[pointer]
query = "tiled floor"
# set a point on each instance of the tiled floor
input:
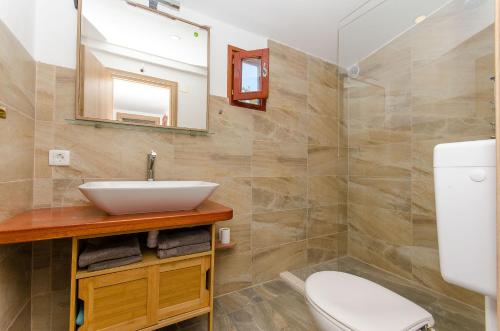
(274, 306)
(268, 307)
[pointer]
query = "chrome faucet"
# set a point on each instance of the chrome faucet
(151, 166)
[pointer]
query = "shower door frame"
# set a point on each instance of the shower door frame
(497, 135)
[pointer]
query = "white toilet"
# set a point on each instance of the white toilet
(343, 302)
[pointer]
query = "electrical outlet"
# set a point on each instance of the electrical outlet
(59, 157)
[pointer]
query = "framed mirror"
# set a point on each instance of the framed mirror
(138, 65)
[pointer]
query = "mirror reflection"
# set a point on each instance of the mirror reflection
(140, 66)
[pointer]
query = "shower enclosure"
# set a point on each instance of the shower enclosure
(415, 73)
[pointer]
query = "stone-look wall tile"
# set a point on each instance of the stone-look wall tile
(279, 227)
(232, 272)
(17, 134)
(15, 284)
(45, 91)
(17, 94)
(393, 258)
(326, 248)
(391, 226)
(65, 107)
(41, 271)
(278, 193)
(387, 160)
(18, 72)
(268, 263)
(380, 129)
(44, 141)
(280, 125)
(15, 197)
(23, 320)
(326, 161)
(235, 192)
(323, 130)
(327, 190)
(426, 271)
(386, 193)
(42, 193)
(275, 159)
(288, 85)
(65, 193)
(41, 307)
(327, 220)
(94, 153)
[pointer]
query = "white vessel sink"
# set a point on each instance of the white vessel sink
(134, 197)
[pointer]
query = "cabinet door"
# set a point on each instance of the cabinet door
(120, 301)
(183, 286)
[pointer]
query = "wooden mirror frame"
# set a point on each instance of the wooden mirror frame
(79, 91)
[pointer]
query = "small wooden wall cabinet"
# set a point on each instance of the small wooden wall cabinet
(144, 296)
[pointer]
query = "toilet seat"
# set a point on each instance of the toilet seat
(354, 303)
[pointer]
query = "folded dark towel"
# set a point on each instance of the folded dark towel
(183, 237)
(183, 250)
(114, 263)
(109, 248)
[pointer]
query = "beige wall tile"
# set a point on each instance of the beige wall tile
(235, 192)
(274, 159)
(44, 141)
(327, 220)
(232, 272)
(15, 279)
(388, 160)
(395, 259)
(268, 263)
(326, 161)
(386, 193)
(278, 193)
(326, 248)
(426, 271)
(18, 72)
(64, 94)
(327, 190)
(45, 91)
(280, 124)
(391, 226)
(279, 227)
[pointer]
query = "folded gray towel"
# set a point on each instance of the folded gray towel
(114, 263)
(183, 237)
(109, 248)
(183, 250)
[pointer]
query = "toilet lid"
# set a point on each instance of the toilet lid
(362, 305)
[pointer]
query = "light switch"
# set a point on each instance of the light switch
(59, 157)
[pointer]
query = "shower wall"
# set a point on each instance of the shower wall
(424, 88)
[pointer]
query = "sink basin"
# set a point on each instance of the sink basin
(134, 197)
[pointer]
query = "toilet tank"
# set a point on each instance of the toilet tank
(465, 187)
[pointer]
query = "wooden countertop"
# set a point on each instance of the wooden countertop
(55, 223)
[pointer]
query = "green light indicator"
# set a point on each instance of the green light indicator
(196, 34)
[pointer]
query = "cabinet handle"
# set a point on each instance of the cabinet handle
(207, 280)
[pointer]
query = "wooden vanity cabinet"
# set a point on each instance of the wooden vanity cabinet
(119, 301)
(184, 286)
(146, 295)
